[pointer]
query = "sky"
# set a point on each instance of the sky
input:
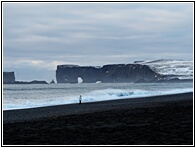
(39, 36)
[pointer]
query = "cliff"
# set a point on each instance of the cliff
(116, 73)
(8, 77)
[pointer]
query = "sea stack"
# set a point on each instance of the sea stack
(8, 77)
(52, 82)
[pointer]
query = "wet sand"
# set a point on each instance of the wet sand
(159, 120)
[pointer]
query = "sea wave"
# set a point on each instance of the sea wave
(92, 96)
(111, 94)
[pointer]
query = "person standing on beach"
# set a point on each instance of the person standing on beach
(80, 99)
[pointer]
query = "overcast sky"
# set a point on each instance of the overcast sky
(39, 36)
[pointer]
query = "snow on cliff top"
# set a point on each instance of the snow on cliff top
(182, 68)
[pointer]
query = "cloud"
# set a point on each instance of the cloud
(45, 34)
(33, 63)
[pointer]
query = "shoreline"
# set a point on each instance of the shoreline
(158, 120)
(29, 114)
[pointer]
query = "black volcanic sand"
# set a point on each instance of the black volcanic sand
(160, 120)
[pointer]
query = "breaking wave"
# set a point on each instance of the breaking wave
(92, 96)
(111, 94)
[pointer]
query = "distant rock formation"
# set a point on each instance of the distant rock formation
(171, 69)
(8, 77)
(31, 82)
(52, 82)
(116, 73)
(165, 80)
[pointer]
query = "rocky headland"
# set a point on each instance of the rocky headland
(9, 78)
(116, 73)
(138, 72)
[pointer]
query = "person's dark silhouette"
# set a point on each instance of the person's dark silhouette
(80, 99)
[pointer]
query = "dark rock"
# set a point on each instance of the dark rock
(52, 82)
(8, 77)
(163, 80)
(31, 82)
(136, 62)
(69, 74)
(116, 73)
(174, 80)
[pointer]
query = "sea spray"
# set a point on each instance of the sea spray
(29, 96)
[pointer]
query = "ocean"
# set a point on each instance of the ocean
(20, 96)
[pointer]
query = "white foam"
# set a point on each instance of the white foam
(80, 80)
(93, 96)
(111, 94)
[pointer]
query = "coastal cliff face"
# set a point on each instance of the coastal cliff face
(117, 73)
(70, 74)
(8, 77)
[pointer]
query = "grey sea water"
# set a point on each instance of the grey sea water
(18, 96)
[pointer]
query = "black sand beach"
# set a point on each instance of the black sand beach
(159, 120)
